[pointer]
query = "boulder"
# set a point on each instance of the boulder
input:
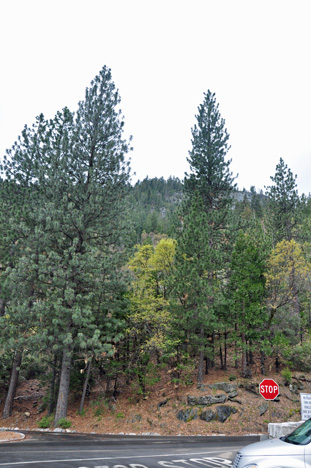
(224, 411)
(206, 400)
(162, 403)
(225, 386)
(187, 415)
(263, 408)
(208, 415)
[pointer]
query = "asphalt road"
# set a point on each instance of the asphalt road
(42, 450)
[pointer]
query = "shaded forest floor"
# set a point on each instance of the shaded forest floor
(130, 413)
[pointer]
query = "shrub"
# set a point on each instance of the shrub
(287, 375)
(64, 423)
(301, 357)
(46, 422)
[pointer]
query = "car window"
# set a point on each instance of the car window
(301, 435)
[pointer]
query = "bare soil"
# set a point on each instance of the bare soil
(130, 413)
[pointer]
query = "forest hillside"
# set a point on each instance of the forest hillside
(126, 300)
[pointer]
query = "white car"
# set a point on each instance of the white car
(291, 451)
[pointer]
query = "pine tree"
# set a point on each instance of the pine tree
(195, 284)
(76, 168)
(206, 212)
(284, 203)
(210, 175)
(246, 292)
(285, 211)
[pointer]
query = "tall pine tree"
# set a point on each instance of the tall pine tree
(208, 189)
(76, 168)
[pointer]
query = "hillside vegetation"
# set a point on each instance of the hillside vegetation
(114, 295)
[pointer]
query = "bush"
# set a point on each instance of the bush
(300, 357)
(287, 375)
(46, 422)
(64, 423)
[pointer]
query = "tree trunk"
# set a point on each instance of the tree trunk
(52, 388)
(236, 364)
(221, 358)
(206, 365)
(277, 363)
(8, 406)
(251, 356)
(262, 363)
(226, 352)
(63, 393)
(244, 363)
(201, 360)
(2, 307)
(86, 382)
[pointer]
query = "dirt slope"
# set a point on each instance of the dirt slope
(131, 414)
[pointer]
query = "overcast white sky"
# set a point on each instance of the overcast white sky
(164, 54)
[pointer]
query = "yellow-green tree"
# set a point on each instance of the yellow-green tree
(149, 318)
(288, 274)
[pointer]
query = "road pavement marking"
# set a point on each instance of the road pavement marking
(108, 458)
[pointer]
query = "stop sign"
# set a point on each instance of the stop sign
(269, 389)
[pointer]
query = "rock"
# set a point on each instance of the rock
(295, 387)
(225, 386)
(27, 414)
(162, 403)
(224, 411)
(187, 415)
(233, 394)
(208, 415)
(251, 387)
(206, 400)
(263, 408)
(137, 418)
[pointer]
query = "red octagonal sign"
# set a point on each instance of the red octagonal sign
(269, 389)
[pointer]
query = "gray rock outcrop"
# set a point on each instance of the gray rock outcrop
(206, 400)
(225, 386)
(224, 411)
(187, 415)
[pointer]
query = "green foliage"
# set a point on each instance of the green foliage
(246, 290)
(99, 407)
(64, 423)
(287, 274)
(65, 289)
(147, 374)
(197, 280)
(154, 204)
(300, 356)
(182, 373)
(65, 230)
(46, 422)
(283, 202)
(210, 176)
(149, 318)
(287, 375)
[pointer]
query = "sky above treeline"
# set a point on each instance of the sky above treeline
(164, 55)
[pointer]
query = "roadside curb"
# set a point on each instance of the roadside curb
(11, 436)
